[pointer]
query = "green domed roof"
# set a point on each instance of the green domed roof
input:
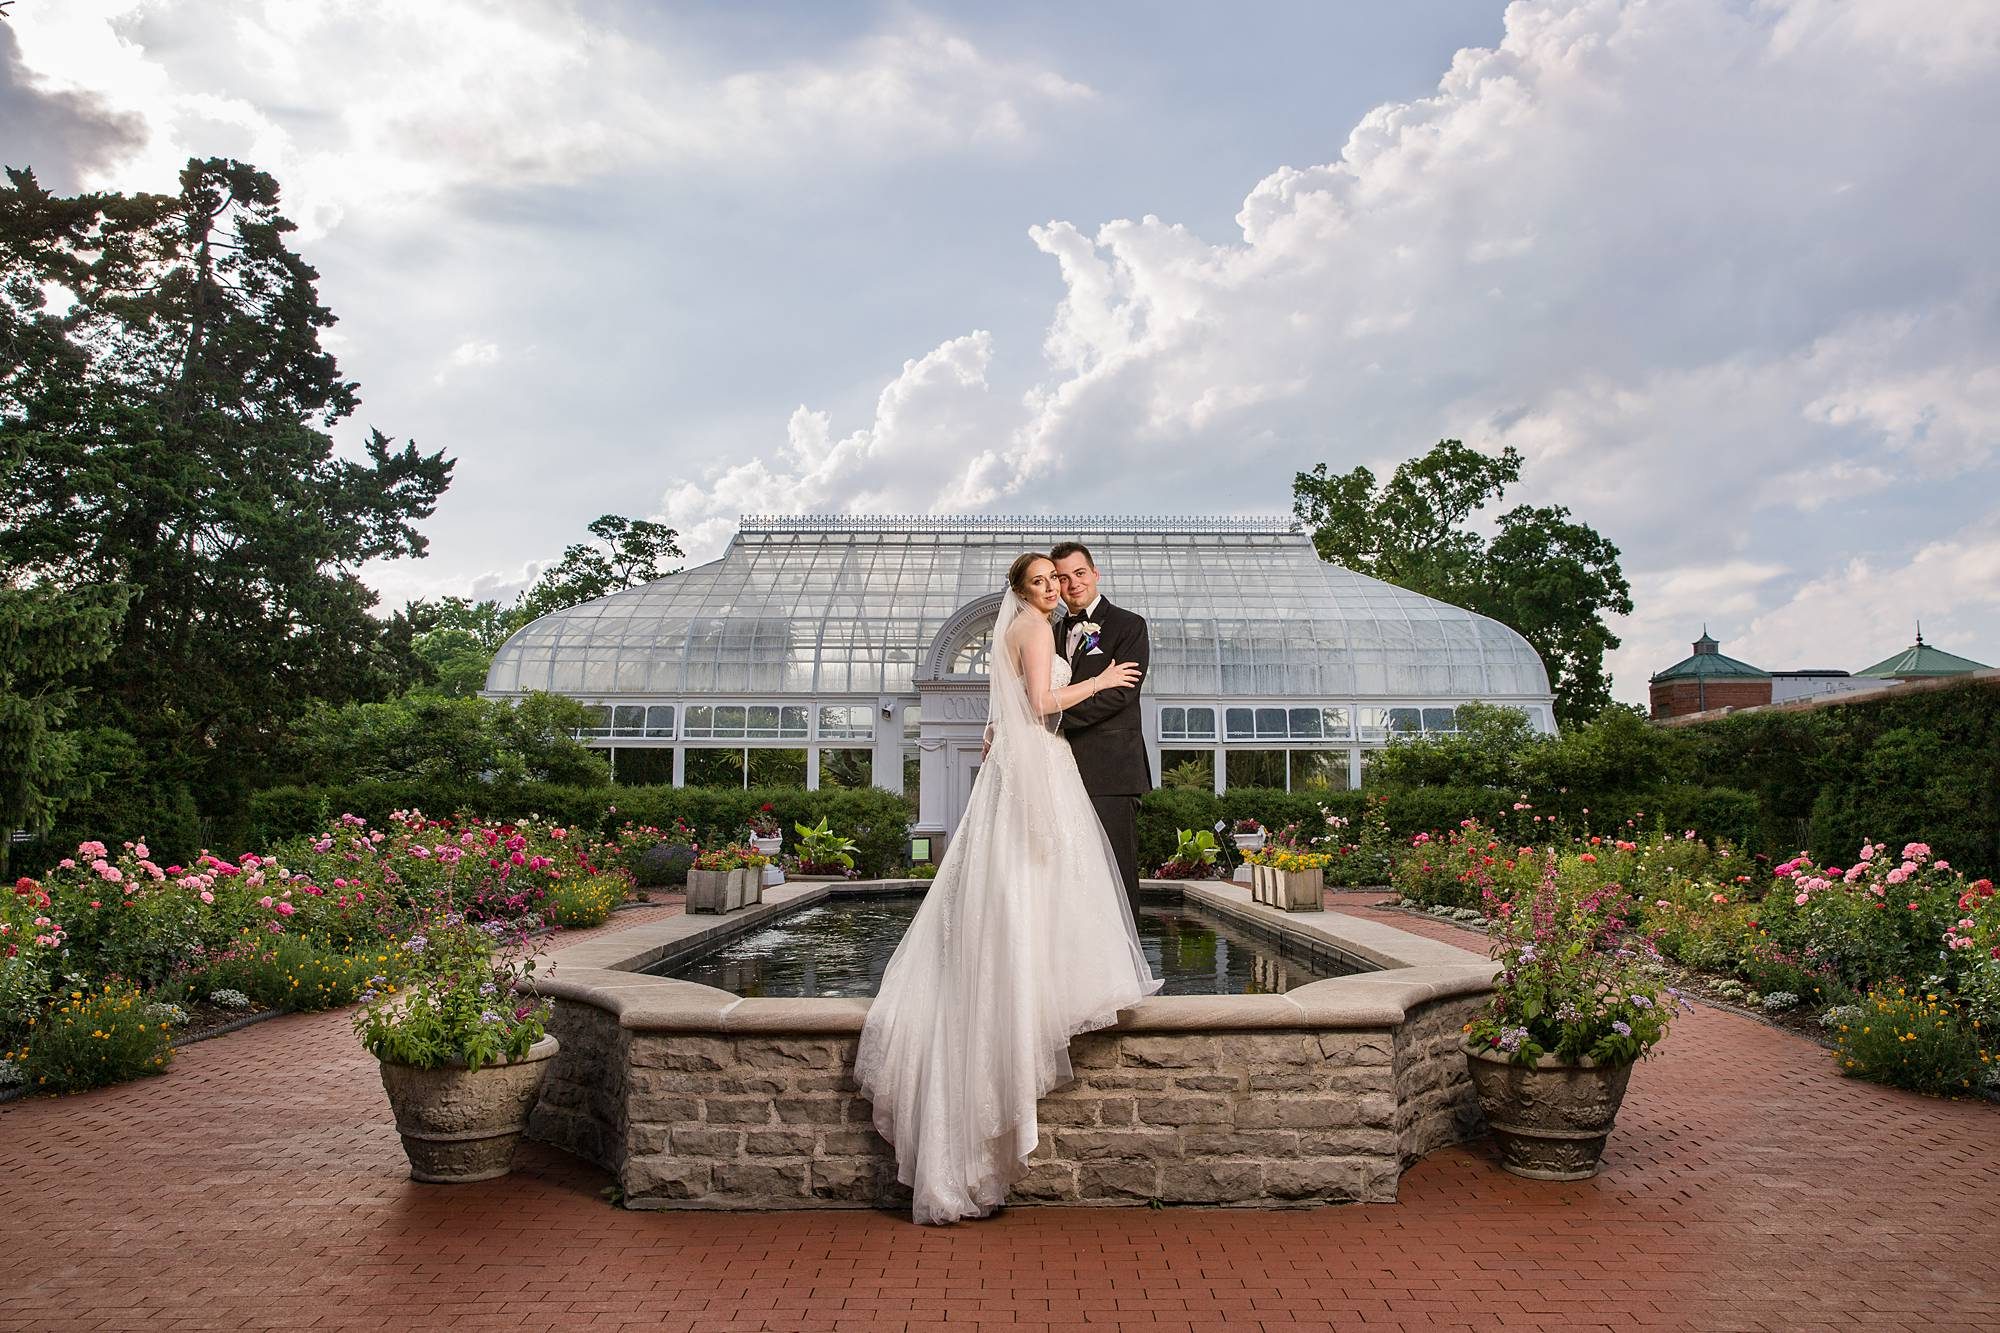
(1920, 659)
(1708, 663)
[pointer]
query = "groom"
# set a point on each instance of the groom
(1103, 731)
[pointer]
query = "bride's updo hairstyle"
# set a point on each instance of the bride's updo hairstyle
(1017, 573)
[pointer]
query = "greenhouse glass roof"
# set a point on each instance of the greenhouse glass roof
(851, 604)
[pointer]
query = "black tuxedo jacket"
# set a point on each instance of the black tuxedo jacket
(1103, 731)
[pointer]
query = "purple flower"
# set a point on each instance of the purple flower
(1622, 1029)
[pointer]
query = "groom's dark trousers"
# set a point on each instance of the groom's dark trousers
(1104, 733)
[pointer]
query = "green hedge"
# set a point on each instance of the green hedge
(878, 821)
(1916, 766)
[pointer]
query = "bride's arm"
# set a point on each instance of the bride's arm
(1037, 656)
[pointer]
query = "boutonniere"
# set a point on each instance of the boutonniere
(1093, 634)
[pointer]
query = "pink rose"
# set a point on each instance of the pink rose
(207, 897)
(286, 909)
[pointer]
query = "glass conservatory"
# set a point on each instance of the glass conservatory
(848, 650)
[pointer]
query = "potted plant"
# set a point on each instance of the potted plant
(746, 882)
(709, 878)
(1288, 878)
(1194, 857)
(824, 854)
(464, 1048)
(1248, 835)
(1576, 1003)
(764, 833)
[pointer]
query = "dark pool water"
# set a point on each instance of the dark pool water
(841, 948)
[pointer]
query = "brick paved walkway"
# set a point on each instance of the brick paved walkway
(259, 1184)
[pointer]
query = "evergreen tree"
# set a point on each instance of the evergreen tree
(167, 399)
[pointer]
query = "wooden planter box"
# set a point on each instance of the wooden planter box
(708, 890)
(1288, 890)
(718, 891)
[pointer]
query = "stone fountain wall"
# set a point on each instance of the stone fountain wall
(1265, 1117)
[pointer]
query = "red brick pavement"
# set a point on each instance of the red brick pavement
(259, 1184)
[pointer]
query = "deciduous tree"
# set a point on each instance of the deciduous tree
(1547, 576)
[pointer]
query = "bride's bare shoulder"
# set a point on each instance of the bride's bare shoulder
(1027, 629)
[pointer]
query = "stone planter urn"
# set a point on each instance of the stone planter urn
(460, 1125)
(1245, 842)
(1550, 1121)
(768, 846)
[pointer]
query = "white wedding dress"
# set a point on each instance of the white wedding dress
(1023, 941)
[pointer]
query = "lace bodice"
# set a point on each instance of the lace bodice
(1058, 673)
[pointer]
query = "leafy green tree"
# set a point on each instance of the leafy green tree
(1547, 576)
(453, 639)
(628, 552)
(1491, 749)
(431, 737)
(46, 640)
(168, 399)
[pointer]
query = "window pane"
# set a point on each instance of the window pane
(913, 721)
(597, 720)
(700, 720)
(1374, 723)
(777, 768)
(846, 768)
(729, 720)
(912, 771)
(1305, 724)
(628, 719)
(1319, 770)
(645, 765)
(1201, 723)
(1239, 723)
(763, 721)
(712, 768)
(660, 720)
(1441, 719)
(792, 721)
(1191, 770)
(1335, 722)
(1270, 724)
(1173, 723)
(1255, 768)
(1406, 719)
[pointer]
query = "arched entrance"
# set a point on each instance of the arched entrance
(952, 684)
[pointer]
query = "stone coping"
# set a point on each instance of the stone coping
(1411, 971)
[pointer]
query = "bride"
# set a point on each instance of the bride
(1023, 941)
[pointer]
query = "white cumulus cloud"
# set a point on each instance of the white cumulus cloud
(1721, 272)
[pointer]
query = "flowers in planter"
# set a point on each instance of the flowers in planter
(1573, 980)
(764, 824)
(1288, 858)
(466, 1001)
(1194, 855)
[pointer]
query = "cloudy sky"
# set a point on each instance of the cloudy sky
(1723, 272)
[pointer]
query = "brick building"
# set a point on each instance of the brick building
(1706, 680)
